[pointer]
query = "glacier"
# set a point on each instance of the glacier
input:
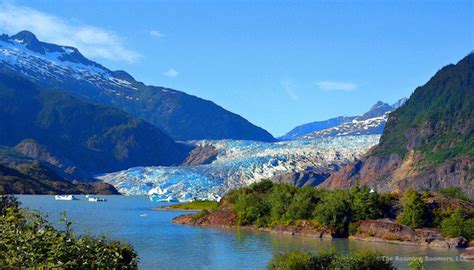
(238, 163)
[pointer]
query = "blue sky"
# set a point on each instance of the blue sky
(278, 64)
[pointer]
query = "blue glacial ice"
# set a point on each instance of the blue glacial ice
(238, 163)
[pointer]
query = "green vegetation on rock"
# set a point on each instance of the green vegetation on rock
(336, 212)
(415, 212)
(455, 193)
(458, 224)
(265, 204)
(27, 240)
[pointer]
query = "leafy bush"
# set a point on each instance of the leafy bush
(329, 261)
(291, 261)
(417, 264)
(28, 240)
(415, 213)
(458, 224)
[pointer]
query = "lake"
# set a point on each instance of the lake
(164, 245)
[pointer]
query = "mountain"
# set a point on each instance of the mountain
(302, 130)
(371, 122)
(65, 131)
(182, 116)
(221, 165)
(20, 174)
(428, 143)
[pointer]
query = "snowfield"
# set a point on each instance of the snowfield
(238, 164)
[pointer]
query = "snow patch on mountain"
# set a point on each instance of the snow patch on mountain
(40, 61)
(371, 122)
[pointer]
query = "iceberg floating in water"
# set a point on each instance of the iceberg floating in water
(239, 163)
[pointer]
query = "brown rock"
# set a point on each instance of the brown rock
(468, 254)
(389, 230)
(439, 244)
(458, 242)
(386, 229)
(201, 155)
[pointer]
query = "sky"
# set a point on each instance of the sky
(279, 64)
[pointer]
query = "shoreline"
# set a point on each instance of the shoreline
(305, 231)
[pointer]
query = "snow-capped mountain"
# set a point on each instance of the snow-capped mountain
(182, 116)
(371, 122)
(314, 126)
(26, 55)
(239, 163)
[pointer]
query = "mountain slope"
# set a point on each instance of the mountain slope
(428, 143)
(371, 122)
(182, 116)
(20, 174)
(94, 138)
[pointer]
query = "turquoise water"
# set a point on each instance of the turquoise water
(164, 245)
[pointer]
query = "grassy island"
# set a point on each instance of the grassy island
(203, 205)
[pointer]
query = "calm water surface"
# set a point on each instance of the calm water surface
(164, 245)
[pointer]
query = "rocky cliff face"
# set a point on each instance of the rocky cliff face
(428, 143)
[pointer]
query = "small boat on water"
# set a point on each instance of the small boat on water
(64, 197)
(95, 199)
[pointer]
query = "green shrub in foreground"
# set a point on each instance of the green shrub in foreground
(27, 240)
(328, 261)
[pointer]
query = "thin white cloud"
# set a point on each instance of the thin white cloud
(171, 73)
(92, 41)
(289, 87)
(155, 33)
(336, 86)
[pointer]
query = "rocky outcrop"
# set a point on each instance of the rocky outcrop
(226, 218)
(220, 218)
(387, 230)
(310, 178)
(200, 155)
(468, 254)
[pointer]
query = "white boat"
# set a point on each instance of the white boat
(95, 199)
(64, 197)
